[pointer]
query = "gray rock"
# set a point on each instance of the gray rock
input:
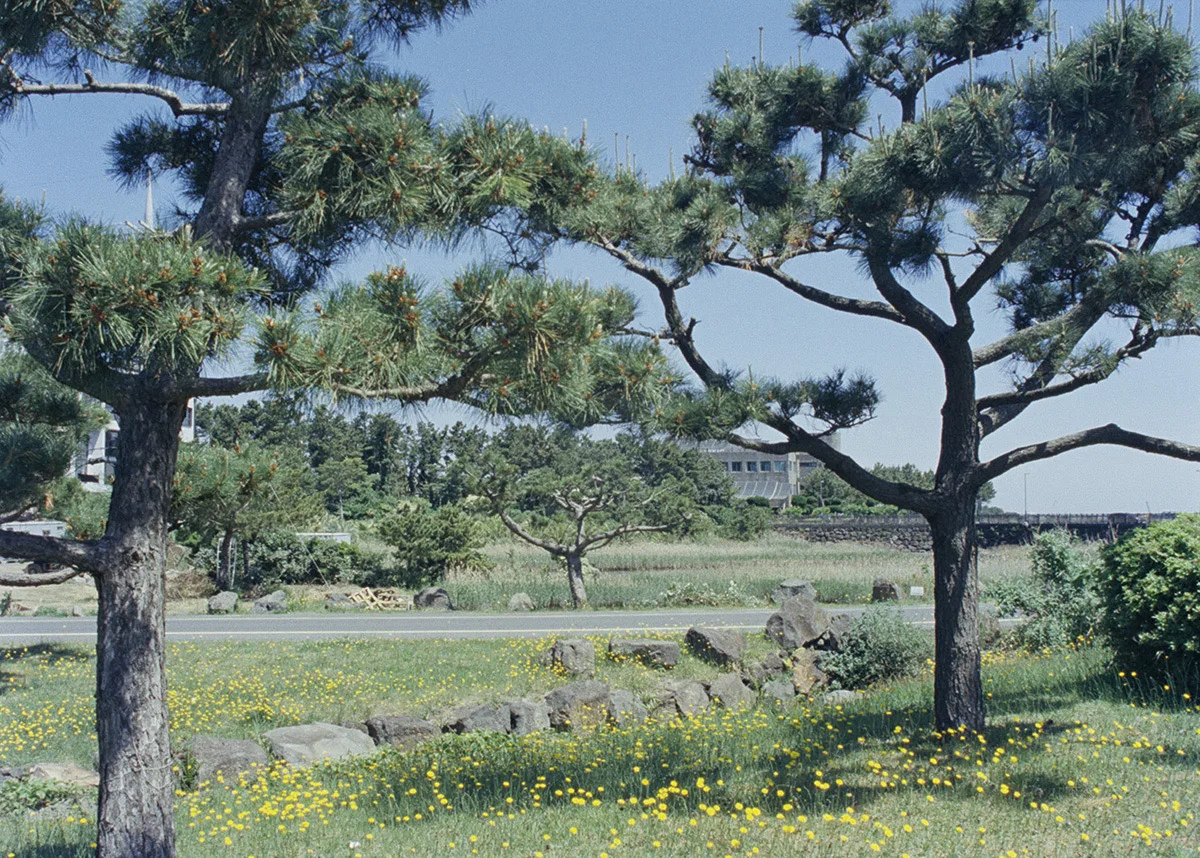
(687, 696)
(401, 731)
(779, 690)
(575, 656)
(797, 623)
(580, 704)
(806, 671)
(626, 709)
(718, 646)
(306, 744)
(837, 698)
(473, 719)
(883, 590)
(223, 603)
(729, 691)
(227, 757)
(526, 716)
(833, 639)
(342, 602)
(758, 672)
(521, 602)
(650, 652)
(272, 603)
(67, 773)
(433, 598)
(76, 611)
(793, 588)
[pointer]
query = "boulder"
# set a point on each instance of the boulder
(686, 696)
(223, 603)
(576, 656)
(523, 717)
(626, 709)
(272, 603)
(67, 773)
(401, 731)
(793, 588)
(833, 639)
(580, 704)
(797, 623)
(883, 590)
(650, 652)
(473, 719)
(521, 602)
(76, 611)
(758, 672)
(341, 602)
(837, 698)
(306, 744)
(779, 690)
(434, 598)
(806, 671)
(717, 646)
(226, 757)
(729, 691)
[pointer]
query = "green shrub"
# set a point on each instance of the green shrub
(1059, 599)
(278, 557)
(430, 542)
(1150, 584)
(879, 646)
(740, 520)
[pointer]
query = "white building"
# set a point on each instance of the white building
(763, 475)
(96, 457)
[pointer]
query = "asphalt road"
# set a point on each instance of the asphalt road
(20, 631)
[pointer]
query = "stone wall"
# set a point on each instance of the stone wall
(911, 532)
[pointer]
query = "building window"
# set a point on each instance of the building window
(752, 467)
(735, 466)
(781, 467)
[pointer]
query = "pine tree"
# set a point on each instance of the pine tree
(1076, 170)
(292, 146)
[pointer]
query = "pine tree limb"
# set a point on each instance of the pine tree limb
(178, 106)
(1110, 434)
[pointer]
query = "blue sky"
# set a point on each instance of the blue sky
(639, 70)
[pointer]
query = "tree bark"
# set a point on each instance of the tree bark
(136, 815)
(579, 597)
(225, 561)
(957, 682)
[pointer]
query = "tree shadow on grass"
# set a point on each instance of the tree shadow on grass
(17, 661)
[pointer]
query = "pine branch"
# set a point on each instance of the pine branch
(1110, 434)
(602, 539)
(553, 547)
(230, 386)
(912, 312)
(841, 303)
(1082, 317)
(268, 221)
(178, 106)
(80, 556)
(994, 261)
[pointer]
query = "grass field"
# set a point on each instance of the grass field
(646, 574)
(1077, 761)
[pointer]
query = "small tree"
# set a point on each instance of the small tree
(575, 485)
(226, 495)
(1076, 180)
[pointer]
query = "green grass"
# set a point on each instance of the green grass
(642, 574)
(1074, 763)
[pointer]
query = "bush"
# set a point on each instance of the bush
(275, 558)
(1059, 599)
(880, 646)
(1150, 585)
(740, 520)
(429, 543)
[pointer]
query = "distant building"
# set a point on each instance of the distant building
(763, 475)
(97, 456)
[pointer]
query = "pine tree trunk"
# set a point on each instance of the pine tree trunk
(136, 816)
(957, 684)
(225, 561)
(575, 580)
